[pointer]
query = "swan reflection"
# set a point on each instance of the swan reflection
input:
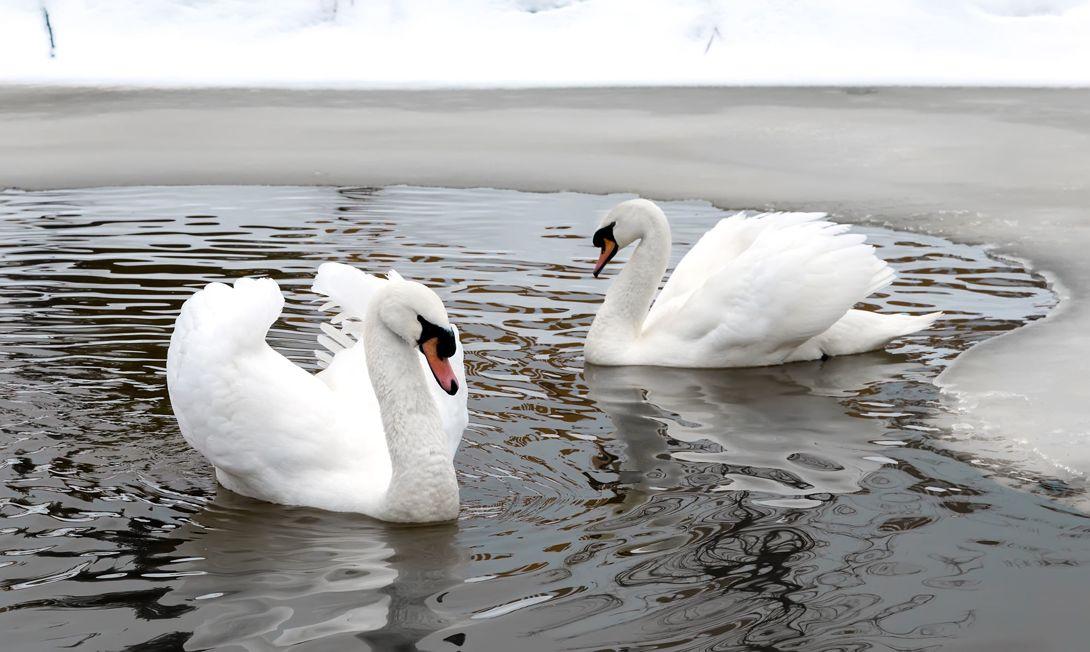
(782, 430)
(281, 576)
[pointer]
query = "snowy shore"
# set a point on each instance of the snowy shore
(1006, 167)
(534, 43)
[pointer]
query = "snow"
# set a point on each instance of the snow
(469, 43)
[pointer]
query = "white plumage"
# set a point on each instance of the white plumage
(753, 291)
(275, 432)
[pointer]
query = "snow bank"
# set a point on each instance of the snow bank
(421, 43)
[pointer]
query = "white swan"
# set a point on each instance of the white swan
(753, 291)
(375, 432)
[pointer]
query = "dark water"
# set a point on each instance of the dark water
(805, 507)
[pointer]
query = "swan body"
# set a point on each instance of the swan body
(753, 291)
(374, 432)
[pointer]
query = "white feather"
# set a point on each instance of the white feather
(271, 429)
(753, 291)
(351, 290)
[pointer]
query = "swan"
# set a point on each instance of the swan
(753, 291)
(374, 432)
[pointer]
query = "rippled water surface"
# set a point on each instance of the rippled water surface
(803, 507)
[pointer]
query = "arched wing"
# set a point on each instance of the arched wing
(238, 402)
(790, 284)
(349, 291)
(716, 249)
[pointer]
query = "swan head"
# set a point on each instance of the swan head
(417, 315)
(626, 223)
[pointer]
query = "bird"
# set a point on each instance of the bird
(755, 290)
(374, 432)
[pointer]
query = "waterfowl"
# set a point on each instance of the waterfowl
(754, 291)
(374, 432)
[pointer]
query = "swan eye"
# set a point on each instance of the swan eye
(603, 234)
(445, 336)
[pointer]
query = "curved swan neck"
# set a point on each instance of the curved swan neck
(423, 486)
(629, 297)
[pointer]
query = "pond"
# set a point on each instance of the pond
(810, 506)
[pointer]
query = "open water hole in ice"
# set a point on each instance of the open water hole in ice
(808, 506)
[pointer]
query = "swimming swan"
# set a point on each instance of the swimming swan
(375, 432)
(754, 291)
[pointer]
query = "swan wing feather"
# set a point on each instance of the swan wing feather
(348, 291)
(716, 249)
(795, 279)
(240, 403)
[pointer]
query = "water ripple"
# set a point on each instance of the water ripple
(806, 507)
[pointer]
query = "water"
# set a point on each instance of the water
(805, 507)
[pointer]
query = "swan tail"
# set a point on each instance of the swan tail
(349, 291)
(861, 330)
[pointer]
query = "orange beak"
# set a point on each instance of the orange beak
(609, 249)
(440, 366)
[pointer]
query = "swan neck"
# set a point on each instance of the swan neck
(423, 486)
(629, 297)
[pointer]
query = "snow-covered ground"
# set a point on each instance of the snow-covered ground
(418, 43)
